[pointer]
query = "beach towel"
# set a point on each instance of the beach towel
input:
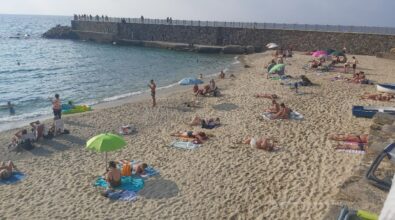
(131, 183)
(351, 151)
(184, 145)
(15, 178)
(123, 195)
(294, 116)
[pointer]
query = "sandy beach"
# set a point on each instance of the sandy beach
(222, 179)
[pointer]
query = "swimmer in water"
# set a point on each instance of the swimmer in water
(10, 107)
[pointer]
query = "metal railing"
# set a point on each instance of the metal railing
(278, 26)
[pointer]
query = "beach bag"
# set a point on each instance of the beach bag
(126, 170)
(27, 145)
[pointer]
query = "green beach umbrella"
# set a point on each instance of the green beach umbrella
(105, 143)
(337, 53)
(277, 68)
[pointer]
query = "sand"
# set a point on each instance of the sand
(221, 180)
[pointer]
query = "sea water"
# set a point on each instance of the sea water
(32, 68)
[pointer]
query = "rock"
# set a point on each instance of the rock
(392, 50)
(383, 118)
(234, 49)
(60, 32)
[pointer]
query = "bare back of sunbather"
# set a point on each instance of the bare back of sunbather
(350, 137)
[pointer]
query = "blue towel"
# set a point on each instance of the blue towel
(124, 195)
(127, 183)
(16, 177)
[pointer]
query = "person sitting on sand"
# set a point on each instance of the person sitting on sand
(210, 123)
(274, 108)
(6, 170)
(270, 65)
(197, 91)
(212, 85)
(22, 136)
(363, 138)
(352, 146)
(262, 143)
(39, 130)
(265, 95)
(284, 112)
(113, 175)
(222, 75)
(198, 137)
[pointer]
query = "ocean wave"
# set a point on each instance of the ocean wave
(122, 96)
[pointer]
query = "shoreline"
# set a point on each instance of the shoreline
(142, 95)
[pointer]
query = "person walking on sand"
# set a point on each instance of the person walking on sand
(354, 64)
(57, 107)
(152, 86)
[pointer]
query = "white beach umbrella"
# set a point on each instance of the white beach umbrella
(271, 45)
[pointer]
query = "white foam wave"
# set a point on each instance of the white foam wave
(117, 97)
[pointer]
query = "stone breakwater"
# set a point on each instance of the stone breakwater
(227, 39)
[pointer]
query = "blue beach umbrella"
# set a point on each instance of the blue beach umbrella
(190, 81)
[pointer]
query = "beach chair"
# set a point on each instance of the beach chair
(388, 152)
(349, 214)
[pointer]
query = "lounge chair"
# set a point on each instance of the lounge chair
(388, 152)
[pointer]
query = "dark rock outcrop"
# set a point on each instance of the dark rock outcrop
(60, 32)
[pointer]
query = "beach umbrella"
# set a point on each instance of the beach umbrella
(319, 53)
(277, 68)
(329, 50)
(338, 53)
(271, 45)
(105, 143)
(190, 81)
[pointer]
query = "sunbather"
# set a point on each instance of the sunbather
(378, 97)
(22, 136)
(265, 95)
(138, 168)
(274, 108)
(39, 130)
(351, 146)
(260, 143)
(113, 175)
(197, 137)
(284, 112)
(350, 137)
(210, 123)
(6, 169)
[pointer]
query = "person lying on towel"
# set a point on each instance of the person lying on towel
(138, 168)
(274, 108)
(378, 97)
(284, 113)
(197, 137)
(262, 143)
(6, 170)
(363, 138)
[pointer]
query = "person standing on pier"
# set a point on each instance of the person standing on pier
(152, 86)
